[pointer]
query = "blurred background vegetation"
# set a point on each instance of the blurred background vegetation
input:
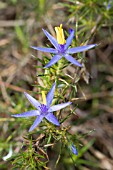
(21, 23)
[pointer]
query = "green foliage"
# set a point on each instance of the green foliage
(90, 15)
(29, 158)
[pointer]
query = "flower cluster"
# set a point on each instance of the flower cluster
(62, 48)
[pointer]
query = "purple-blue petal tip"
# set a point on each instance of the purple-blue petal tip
(70, 30)
(58, 124)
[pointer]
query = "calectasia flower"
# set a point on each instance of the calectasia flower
(44, 110)
(74, 150)
(62, 47)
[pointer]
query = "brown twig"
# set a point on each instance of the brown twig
(13, 87)
(93, 96)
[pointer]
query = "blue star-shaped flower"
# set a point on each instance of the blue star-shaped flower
(74, 150)
(43, 110)
(62, 47)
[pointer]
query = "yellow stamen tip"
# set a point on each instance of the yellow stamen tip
(43, 97)
(60, 35)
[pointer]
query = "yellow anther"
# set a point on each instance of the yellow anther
(60, 35)
(43, 97)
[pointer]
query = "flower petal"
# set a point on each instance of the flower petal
(58, 107)
(27, 114)
(50, 95)
(51, 38)
(44, 49)
(33, 101)
(36, 122)
(80, 49)
(51, 118)
(69, 39)
(72, 60)
(74, 150)
(53, 60)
